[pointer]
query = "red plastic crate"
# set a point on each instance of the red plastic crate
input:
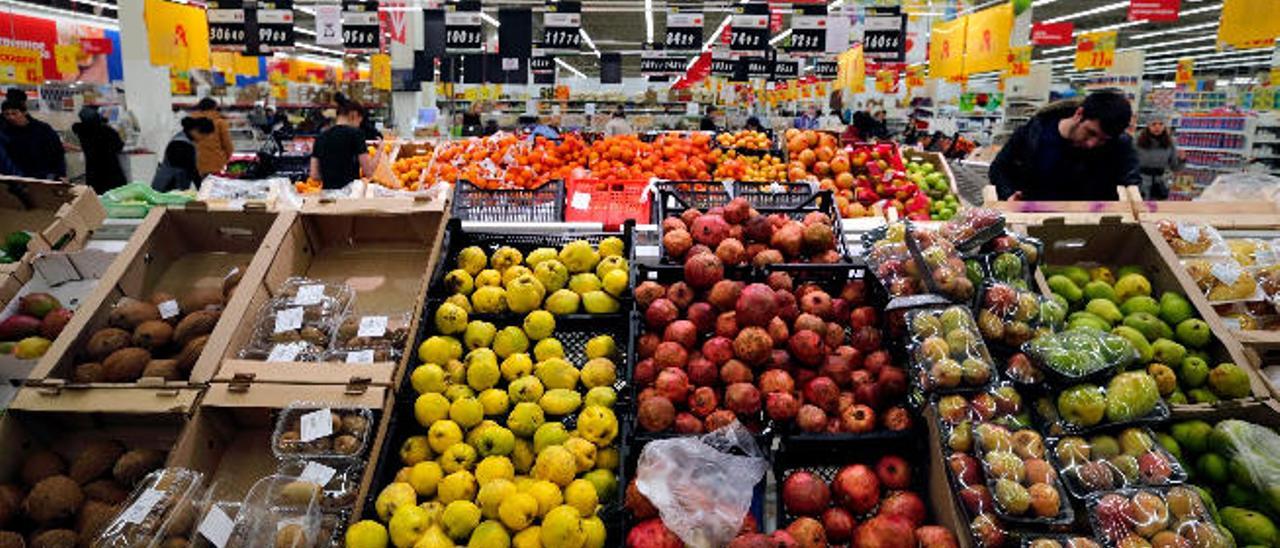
(609, 202)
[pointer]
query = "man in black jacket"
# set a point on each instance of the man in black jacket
(1071, 150)
(33, 145)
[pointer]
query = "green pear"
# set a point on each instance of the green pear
(1099, 290)
(1193, 332)
(1174, 308)
(1168, 352)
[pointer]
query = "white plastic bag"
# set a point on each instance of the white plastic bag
(702, 486)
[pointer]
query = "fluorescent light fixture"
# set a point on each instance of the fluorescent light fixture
(305, 31)
(1175, 30)
(1088, 12)
(1039, 3)
(37, 10)
(1162, 45)
(839, 3)
(648, 20)
(1115, 26)
(489, 19)
(587, 39)
(780, 37)
(96, 4)
(716, 35)
(566, 66)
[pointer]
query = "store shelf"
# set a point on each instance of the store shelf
(1235, 151)
(1218, 131)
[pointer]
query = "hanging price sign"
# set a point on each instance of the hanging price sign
(360, 26)
(684, 30)
(749, 27)
(808, 29)
(722, 65)
(226, 25)
(786, 69)
(275, 26)
(1095, 50)
(883, 39)
(541, 63)
(561, 26)
(758, 66)
(462, 28)
(658, 63)
(826, 69)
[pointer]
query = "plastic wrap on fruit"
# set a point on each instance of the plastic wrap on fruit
(702, 486)
(1080, 353)
(1191, 238)
(1175, 516)
(1023, 483)
(1009, 266)
(1107, 461)
(162, 503)
(1032, 248)
(894, 265)
(1252, 252)
(947, 351)
(1012, 316)
(1128, 397)
(1254, 450)
(1222, 279)
(973, 227)
(1060, 541)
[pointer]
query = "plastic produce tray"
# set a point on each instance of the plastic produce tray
(544, 204)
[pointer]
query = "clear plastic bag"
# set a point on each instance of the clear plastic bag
(1223, 280)
(947, 352)
(973, 227)
(1242, 187)
(1059, 541)
(894, 265)
(1078, 354)
(1148, 512)
(1191, 239)
(1252, 252)
(702, 486)
(1105, 462)
(1008, 266)
(1256, 448)
(1011, 316)
(1025, 486)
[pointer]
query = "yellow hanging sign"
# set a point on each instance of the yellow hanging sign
(21, 66)
(380, 66)
(986, 39)
(66, 56)
(1096, 50)
(178, 35)
(946, 48)
(851, 70)
(1185, 73)
(1020, 61)
(1248, 24)
(886, 81)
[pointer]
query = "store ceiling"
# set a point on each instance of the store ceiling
(619, 25)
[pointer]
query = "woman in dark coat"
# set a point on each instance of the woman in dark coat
(102, 146)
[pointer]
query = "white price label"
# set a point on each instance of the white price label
(317, 473)
(168, 309)
(360, 356)
(285, 352)
(309, 294)
(142, 506)
(217, 527)
(1226, 272)
(289, 318)
(1189, 232)
(581, 200)
(372, 326)
(315, 425)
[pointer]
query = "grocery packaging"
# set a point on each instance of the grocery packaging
(973, 227)
(909, 260)
(280, 510)
(1222, 279)
(1189, 238)
(1130, 397)
(740, 233)
(1025, 487)
(388, 333)
(947, 351)
(162, 505)
(1059, 541)
(1009, 316)
(310, 430)
(1130, 458)
(1154, 516)
(338, 482)
(1078, 354)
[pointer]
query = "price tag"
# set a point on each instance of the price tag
(360, 356)
(1226, 272)
(216, 527)
(1189, 232)
(581, 200)
(142, 506)
(372, 326)
(315, 425)
(285, 352)
(289, 318)
(309, 294)
(168, 309)
(317, 473)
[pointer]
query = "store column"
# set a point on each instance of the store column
(146, 91)
(404, 104)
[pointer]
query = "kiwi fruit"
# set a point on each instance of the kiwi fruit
(200, 322)
(346, 444)
(106, 490)
(95, 460)
(354, 424)
(87, 373)
(129, 313)
(125, 365)
(106, 341)
(298, 493)
(94, 516)
(40, 465)
(201, 298)
(136, 464)
(55, 538)
(152, 334)
(54, 498)
(186, 359)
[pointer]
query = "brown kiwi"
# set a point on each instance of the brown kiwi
(106, 341)
(152, 334)
(125, 365)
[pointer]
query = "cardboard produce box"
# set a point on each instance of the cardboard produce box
(57, 215)
(1117, 244)
(186, 254)
(1083, 212)
(384, 255)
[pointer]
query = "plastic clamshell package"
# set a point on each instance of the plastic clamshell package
(1007, 456)
(363, 355)
(1084, 400)
(947, 351)
(348, 427)
(339, 492)
(305, 292)
(1150, 512)
(1080, 354)
(910, 260)
(296, 351)
(152, 509)
(1058, 541)
(357, 332)
(279, 321)
(1011, 317)
(1084, 472)
(230, 510)
(283, 511)
(973, 227)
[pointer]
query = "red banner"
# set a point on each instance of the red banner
(95, 46)
(1154, 10)
(698, 72)
(1052, 34)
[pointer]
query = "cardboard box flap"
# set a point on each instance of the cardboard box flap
(337, 373)
(278, 396)
(131, 400)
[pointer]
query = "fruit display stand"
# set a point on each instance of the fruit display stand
(193, 257)
(1084, 212)
(1240, 215)
(383, 255)
(939, 163)
(1122, 243)
(55, 215)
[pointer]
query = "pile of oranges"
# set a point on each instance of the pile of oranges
(409, 170)
(748, 139)
(731, 165)
(669, 156)
(309, 186)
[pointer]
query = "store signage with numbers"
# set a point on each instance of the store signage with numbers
(561, 26)
(808, 29)
(658, 62)
(275, 25)
(226, 25)
(360, 26)
(758, 66)
(684, 30)
(785, 69)
(462, 28)
(826, 69)
(883, 39)
(749, 27)
(541, 63)
(722, 65)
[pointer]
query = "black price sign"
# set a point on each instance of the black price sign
(723, 66)
(758, 66)
(883, 38)
(684, 31)
(561, 26)
(360, 26)
(662, 65)
(749, 28)
(826, 69)
(808, 29)
(541, 63)
(462, 28)
(275, 26)
(226, 25)
(786, 70)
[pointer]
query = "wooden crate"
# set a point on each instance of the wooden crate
(1087, 213)
(172, 251)
(56, 214)
(1140, 244)
(385, 255)
(1238, 215)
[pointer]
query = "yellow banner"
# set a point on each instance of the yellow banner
(1248, 24)
(1020, 61)
(946, 48)
(986, 39)
(20, 66)
(66, 57)
(380, 66)
(886, 81)
(915, 76)
(1186, 71)
(1096, 50)
(178, 35)
(851, 70)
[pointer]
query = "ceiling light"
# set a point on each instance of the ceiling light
(780, 37)
(566, 66)
(716, 35)
(38, 10)
(1162, 45)
(587, 39)
(1116, 26)
(648, 21)
(1092, 11)
(489, 18)
(1175, 30)
(1039, 3)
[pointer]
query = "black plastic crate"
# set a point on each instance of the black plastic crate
(705, 195)
(544, 204)
(774, 193)
(671, 203)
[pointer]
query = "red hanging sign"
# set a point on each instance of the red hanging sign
(1154, 10)
(1052, 34)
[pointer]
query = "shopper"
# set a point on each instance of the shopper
(1070, 150)
(807, 119)
(471, 125)
(340, 153)
(102, 146)
(367, 127)
(180, 168)
(1158, 157)
(618, 124)
(34, 147)
(214, 150)
(753, 124)
(831, 121)
(708, 122)
(546, 127)
(879, 127)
